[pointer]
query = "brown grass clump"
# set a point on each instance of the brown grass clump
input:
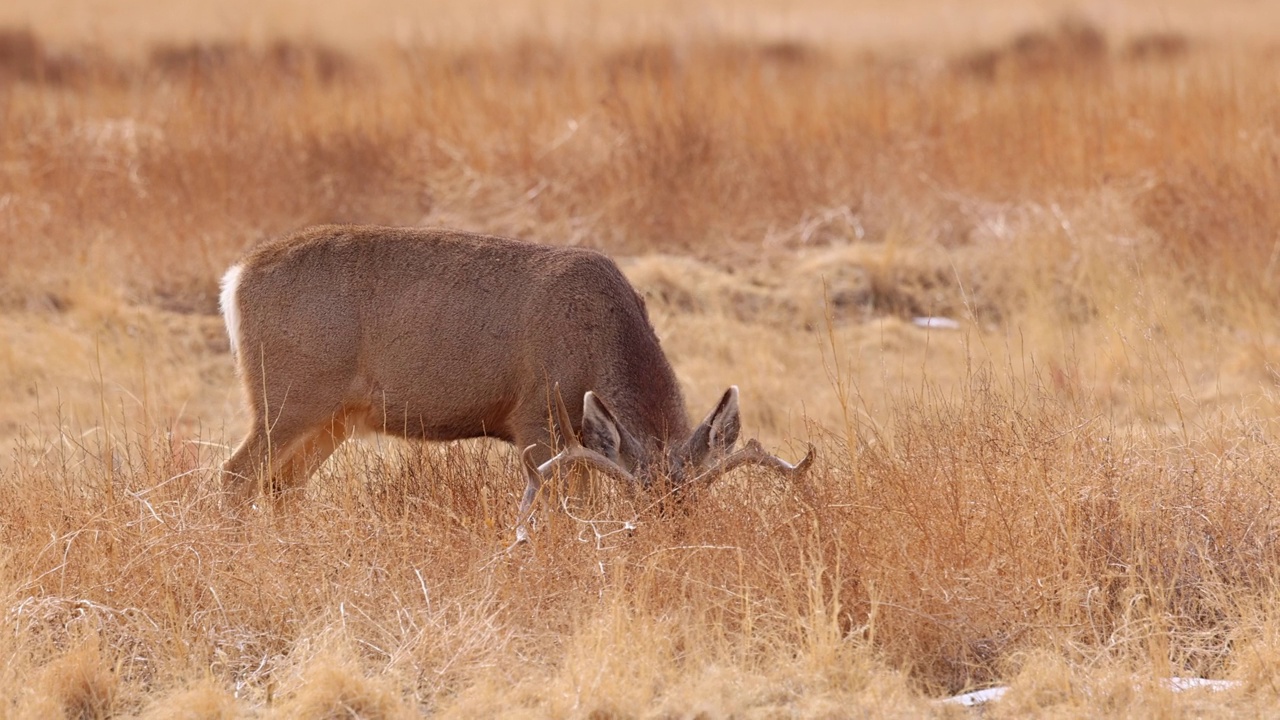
(1075, 45)
(21, 54)
(332, 686)
(77, 684)
(201, 700)
(1019, 290)
(300, 62)
(1157, 46)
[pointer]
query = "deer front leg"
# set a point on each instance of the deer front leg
(532, 488)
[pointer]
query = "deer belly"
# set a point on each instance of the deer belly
(439, 424)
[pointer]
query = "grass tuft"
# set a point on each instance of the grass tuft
(1018, 289)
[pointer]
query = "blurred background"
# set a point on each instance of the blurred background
(1011, 266)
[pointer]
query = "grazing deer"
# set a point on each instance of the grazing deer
(445, 335)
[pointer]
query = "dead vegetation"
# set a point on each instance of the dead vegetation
(1070, 492)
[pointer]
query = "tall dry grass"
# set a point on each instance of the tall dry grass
(1072, 493)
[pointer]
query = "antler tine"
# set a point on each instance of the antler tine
(537, 474)
(585, 455)
(575, 451)
(562, 416)
(527, 463)
(754, 452)
(525, 513)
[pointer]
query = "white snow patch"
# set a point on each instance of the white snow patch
(978, 697)
(936, 323)
(1176, 684)
(229, 302)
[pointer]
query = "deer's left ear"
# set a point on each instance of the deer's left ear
(717, 433)
(602, 432)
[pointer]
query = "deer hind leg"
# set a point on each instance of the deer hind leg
(310, 454)
(272, 461)
(291, 415)
(251, 468)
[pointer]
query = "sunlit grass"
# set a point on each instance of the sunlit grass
(1070, 493)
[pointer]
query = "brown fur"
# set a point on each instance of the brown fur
(436, 335)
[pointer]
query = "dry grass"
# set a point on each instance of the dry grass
(1072, 493)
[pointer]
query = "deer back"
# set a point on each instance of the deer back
(447, 335)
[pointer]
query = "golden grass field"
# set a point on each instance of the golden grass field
(1073, 493)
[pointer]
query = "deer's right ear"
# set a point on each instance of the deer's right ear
(717, 433)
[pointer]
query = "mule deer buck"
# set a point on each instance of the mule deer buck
(444, 335)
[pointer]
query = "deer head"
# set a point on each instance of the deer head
(608, 447)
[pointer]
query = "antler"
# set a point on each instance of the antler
(575, 452)
(578, 454)
(754, 452)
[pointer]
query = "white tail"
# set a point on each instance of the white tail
(230, 307)
(442, 335)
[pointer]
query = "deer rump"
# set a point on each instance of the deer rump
(445, 335)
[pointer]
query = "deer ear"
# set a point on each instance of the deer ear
(600, 430)
(718, 432)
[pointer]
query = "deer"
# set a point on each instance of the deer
(441, 335)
